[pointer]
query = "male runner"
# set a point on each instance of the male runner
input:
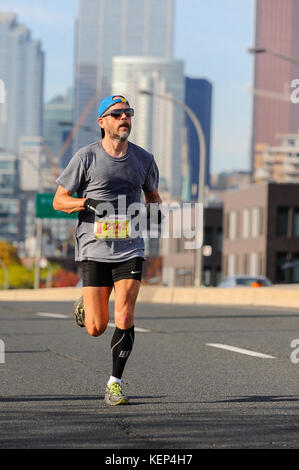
(101, 172)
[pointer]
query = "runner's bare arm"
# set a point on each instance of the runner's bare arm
(65, 202)
(152, 197)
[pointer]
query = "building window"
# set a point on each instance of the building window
(184, 277)
(246, 222)
(207, 276)
(296, 223)
(282, 221)
(218, 276)
(246, 263)
(179, 245)
(261, 220)
(257, 222)
(219, 240)
(232, 227)
(231, 264)
(208, 238)
(280, 271)
(260, 264)
(225, 265)
(253, 264)
(226, 225)
(295, 277)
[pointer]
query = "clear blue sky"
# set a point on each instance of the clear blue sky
(211, 36)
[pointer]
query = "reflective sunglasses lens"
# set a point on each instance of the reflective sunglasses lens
(129, 112)
(118, 112)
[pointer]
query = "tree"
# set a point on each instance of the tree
(8, 254)
(63, 278)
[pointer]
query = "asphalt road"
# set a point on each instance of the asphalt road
(186, 393)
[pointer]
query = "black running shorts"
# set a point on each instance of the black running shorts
(98, 274)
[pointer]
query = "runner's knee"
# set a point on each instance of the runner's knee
(96, 329)
(124, 317)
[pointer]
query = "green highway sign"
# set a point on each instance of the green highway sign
(45, 210)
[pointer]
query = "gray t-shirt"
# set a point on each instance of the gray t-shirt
(92, 173)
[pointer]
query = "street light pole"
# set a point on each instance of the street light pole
(201, 181)
(262, 50)
(38, 222)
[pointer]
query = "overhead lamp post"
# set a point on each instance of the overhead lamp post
(201, 180)
(263, 50)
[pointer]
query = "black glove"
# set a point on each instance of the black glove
(92, 204)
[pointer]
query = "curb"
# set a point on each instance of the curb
(263, 296)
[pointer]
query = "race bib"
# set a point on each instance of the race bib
(115, 227)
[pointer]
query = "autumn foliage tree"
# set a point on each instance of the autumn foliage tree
(64, 278)
(8, 254)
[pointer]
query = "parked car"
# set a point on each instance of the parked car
(246, 281)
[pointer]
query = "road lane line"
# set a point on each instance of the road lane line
(140, 330)
(240, 350)
(60, 315)
(52, 315)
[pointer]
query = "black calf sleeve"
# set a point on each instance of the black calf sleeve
(121, 346)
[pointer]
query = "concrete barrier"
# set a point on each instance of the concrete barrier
(262, 296)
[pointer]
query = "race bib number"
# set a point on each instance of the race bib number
(112, 227)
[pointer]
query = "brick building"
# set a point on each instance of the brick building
(261, 232)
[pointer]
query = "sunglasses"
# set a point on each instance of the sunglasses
(116, 113)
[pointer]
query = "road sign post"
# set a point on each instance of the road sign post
(44, 210)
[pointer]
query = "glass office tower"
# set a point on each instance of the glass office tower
(21, 70)
(159, 123)
(106, 29)
(198, 97)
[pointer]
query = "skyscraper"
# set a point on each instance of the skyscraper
(277, 29)
(9, 203)
(57, 125)
(198, 97)
(158, 123)
(106, 29)
(21, 70)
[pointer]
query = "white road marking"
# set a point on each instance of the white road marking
(52, 315)
(240, 350)
(140, 330)
(61, 315)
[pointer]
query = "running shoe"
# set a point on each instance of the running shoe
(114, 395)
(78, 312)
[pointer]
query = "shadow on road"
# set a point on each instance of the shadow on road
(258, 399)
(38, 398)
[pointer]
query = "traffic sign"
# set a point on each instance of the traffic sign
(45, 210)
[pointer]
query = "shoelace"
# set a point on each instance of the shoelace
(116, 388)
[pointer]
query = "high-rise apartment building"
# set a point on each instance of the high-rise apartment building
(198, 97)
(157, 125)
(277, 29)
(280, 163)
(106, 29)
(9, 204)
(57, 125)
(21, 72)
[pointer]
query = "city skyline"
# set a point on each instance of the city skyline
(22, 71)
(145, 30)
(156, 128)
(218, 33)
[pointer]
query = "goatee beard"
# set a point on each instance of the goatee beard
(124, 135)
